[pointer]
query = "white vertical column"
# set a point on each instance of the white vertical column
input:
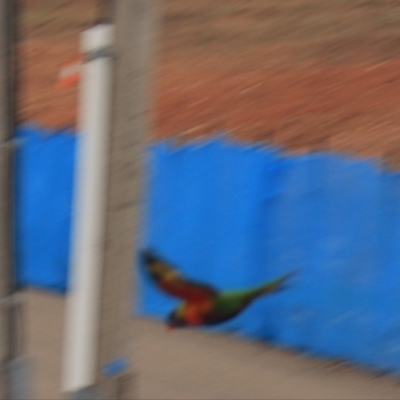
(83, 303)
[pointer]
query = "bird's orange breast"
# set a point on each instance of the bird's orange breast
(195, 312)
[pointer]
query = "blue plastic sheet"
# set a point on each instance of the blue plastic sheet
(236, 216)
(44, 186)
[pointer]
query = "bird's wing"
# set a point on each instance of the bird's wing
(173, 283)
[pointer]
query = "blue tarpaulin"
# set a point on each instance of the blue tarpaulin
(44, 185)
(235, 216)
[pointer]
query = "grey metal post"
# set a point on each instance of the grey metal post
(5, 204)
(12, 367)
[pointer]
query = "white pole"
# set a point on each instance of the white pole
(83, 303)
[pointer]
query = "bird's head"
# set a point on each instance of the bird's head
(175, 320)
(148, 257)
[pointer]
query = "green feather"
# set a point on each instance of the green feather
(228, 304)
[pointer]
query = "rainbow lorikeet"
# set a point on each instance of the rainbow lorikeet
(203, 305)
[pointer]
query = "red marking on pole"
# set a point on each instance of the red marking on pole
(70, 73)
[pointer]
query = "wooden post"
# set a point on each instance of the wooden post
(136, 29)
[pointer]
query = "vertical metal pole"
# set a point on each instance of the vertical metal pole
(83, 302)
(8, 348)
(136, 24)
(135, 30)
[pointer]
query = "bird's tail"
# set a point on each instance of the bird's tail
(276, 285)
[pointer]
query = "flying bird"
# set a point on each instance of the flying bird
(203, 305)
